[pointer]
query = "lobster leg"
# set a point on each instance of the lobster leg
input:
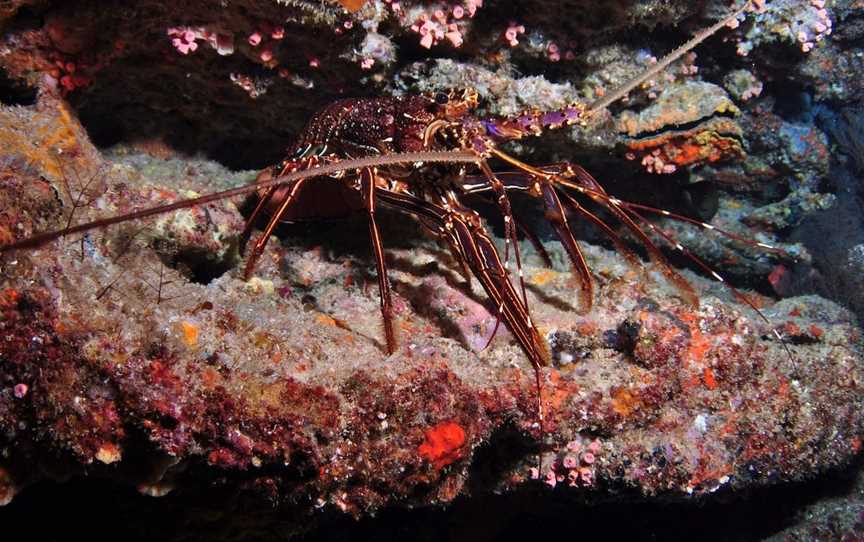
(484, 261)
(587, 185)
(265, 199)
(258, 248)
(527, 232)
(557, 217)
(503, 203)
(535, 242)
(519, 181)
(478, 250)
(368, 178)
(575, 177)
(631, 257)
(473, 246)
(482, 257)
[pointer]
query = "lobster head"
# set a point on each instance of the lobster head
(454, 105)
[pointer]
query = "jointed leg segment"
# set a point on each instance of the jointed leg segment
(368, 178)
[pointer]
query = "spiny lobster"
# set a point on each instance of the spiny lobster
(412, 153)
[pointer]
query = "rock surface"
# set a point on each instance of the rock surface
(137, 354)
(279, 385)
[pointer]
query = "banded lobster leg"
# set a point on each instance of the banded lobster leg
(282, 194)
(471, 244)
(575, 179)
(510, 235)
(547, 184)
(368, 182)
(465, 232)
(529, 234)
(286, 195)
(558, 219)
(587, 185)
(519, 181)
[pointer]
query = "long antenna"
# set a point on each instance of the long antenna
(327, 169)
(663, 63)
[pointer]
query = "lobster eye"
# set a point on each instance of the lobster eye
(318, 150)
(300, 152)
(442, 98)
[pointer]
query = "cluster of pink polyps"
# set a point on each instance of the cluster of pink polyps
(512, 33)
(655, 164)
(807, 25)
(820, 28)
(441, 23)
(185, 39)
(576, 468)
(265, 54)
(65, 74)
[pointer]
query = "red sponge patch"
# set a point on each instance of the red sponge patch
(443, 444)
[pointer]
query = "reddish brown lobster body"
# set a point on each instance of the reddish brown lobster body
(349, 128)
(392, 126)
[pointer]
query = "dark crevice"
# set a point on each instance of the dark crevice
(505, 450)
(793, 103)
(683, 127)
(218, 513)
(623, 339)
(15, 92)
(200, 266)
(831, 236)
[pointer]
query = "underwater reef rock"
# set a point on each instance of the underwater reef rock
(137, 354)
(121, 359)
(712, 136)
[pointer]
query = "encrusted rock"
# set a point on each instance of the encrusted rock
(279, 386)
(135, 353)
